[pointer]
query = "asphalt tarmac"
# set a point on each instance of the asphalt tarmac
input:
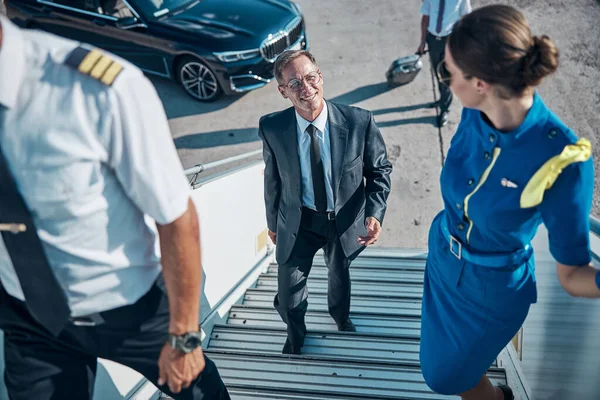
(354, 43)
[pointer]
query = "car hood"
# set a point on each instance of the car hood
(232, 20)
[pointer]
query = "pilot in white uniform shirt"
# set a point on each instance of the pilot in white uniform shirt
(91, 165)
(86, 140)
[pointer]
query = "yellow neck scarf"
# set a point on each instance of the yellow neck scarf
(544, 178)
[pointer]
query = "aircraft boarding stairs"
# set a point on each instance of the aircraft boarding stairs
(379, 361)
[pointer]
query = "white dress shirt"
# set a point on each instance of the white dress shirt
(96, 166)
(453, 10)
(322, 125)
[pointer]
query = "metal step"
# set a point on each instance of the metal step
(370, 323)
(241, 393)
(387, 253)
(364, 304)
(377, 263)
(363, 274)
(321, 378)
(361, 346)
(319, 285)
(338, 345)
(357, 278)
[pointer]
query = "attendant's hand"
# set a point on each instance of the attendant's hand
(177, 369)
(273, 236)
(373, 230)
(421, 49)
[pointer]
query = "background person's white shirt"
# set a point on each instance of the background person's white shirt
(453, 10)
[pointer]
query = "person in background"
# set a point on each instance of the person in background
(511, 166)
(438, 17)
(85, 156)
(327, 180)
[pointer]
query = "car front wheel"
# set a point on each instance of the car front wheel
(198, 80)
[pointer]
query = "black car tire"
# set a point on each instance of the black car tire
(197, 79)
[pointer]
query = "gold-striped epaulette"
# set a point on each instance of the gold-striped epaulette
(95, 63)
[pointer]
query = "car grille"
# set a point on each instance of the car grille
(276, 43)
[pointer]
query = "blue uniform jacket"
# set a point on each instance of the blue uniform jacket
(498, 187)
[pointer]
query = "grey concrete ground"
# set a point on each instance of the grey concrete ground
(355, 41)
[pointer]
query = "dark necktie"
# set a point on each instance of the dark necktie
(44, 297)
(438, 27)
(318, 172)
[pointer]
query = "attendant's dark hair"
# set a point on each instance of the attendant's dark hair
(288, 56)
(495, 44)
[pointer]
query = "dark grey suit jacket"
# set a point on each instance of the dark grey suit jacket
(360, 175)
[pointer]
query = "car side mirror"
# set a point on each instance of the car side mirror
(130, 23)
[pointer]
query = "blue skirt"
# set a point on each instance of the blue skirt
(469, 314)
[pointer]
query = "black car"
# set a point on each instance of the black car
(209, 46)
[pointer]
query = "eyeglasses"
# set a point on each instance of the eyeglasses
(312, 79)
(444, 75)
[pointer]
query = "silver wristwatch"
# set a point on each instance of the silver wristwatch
(187, 342)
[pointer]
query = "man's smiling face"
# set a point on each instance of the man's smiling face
(308, 97)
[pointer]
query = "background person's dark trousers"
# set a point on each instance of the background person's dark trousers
(437, 48)
(291, 300)
(41, 367)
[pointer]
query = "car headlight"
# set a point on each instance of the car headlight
(297, 7)
(232, 56)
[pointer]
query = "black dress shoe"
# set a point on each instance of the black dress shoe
(508, 393)
(346, 326)
(443, 119)
(288, 348)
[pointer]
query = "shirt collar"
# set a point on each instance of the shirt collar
(537, 114)
(319, 122)
(12, 63)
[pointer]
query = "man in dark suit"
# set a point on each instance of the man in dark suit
(327, 179)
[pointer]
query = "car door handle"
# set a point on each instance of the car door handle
(99, 22)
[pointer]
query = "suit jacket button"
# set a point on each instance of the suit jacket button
(552, 134)
(471, 182)
(460, 227)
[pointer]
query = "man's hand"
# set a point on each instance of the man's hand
(180, 248)
(373, 230)
(178, 370)
(421, 49)
(273, 236)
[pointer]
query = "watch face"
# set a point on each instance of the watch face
(193, 342)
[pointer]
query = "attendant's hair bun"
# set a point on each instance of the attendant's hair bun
(540, 61)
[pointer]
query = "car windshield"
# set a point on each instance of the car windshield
(158, 8)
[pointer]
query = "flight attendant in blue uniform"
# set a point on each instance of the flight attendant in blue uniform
(512, 165)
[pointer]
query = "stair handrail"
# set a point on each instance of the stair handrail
(199, 168)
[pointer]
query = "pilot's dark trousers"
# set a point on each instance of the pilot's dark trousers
(315, 232)
(437, 48)
(42, 367)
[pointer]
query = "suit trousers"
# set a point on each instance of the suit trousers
(40, 366)
(437, 48)
(291, 301)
